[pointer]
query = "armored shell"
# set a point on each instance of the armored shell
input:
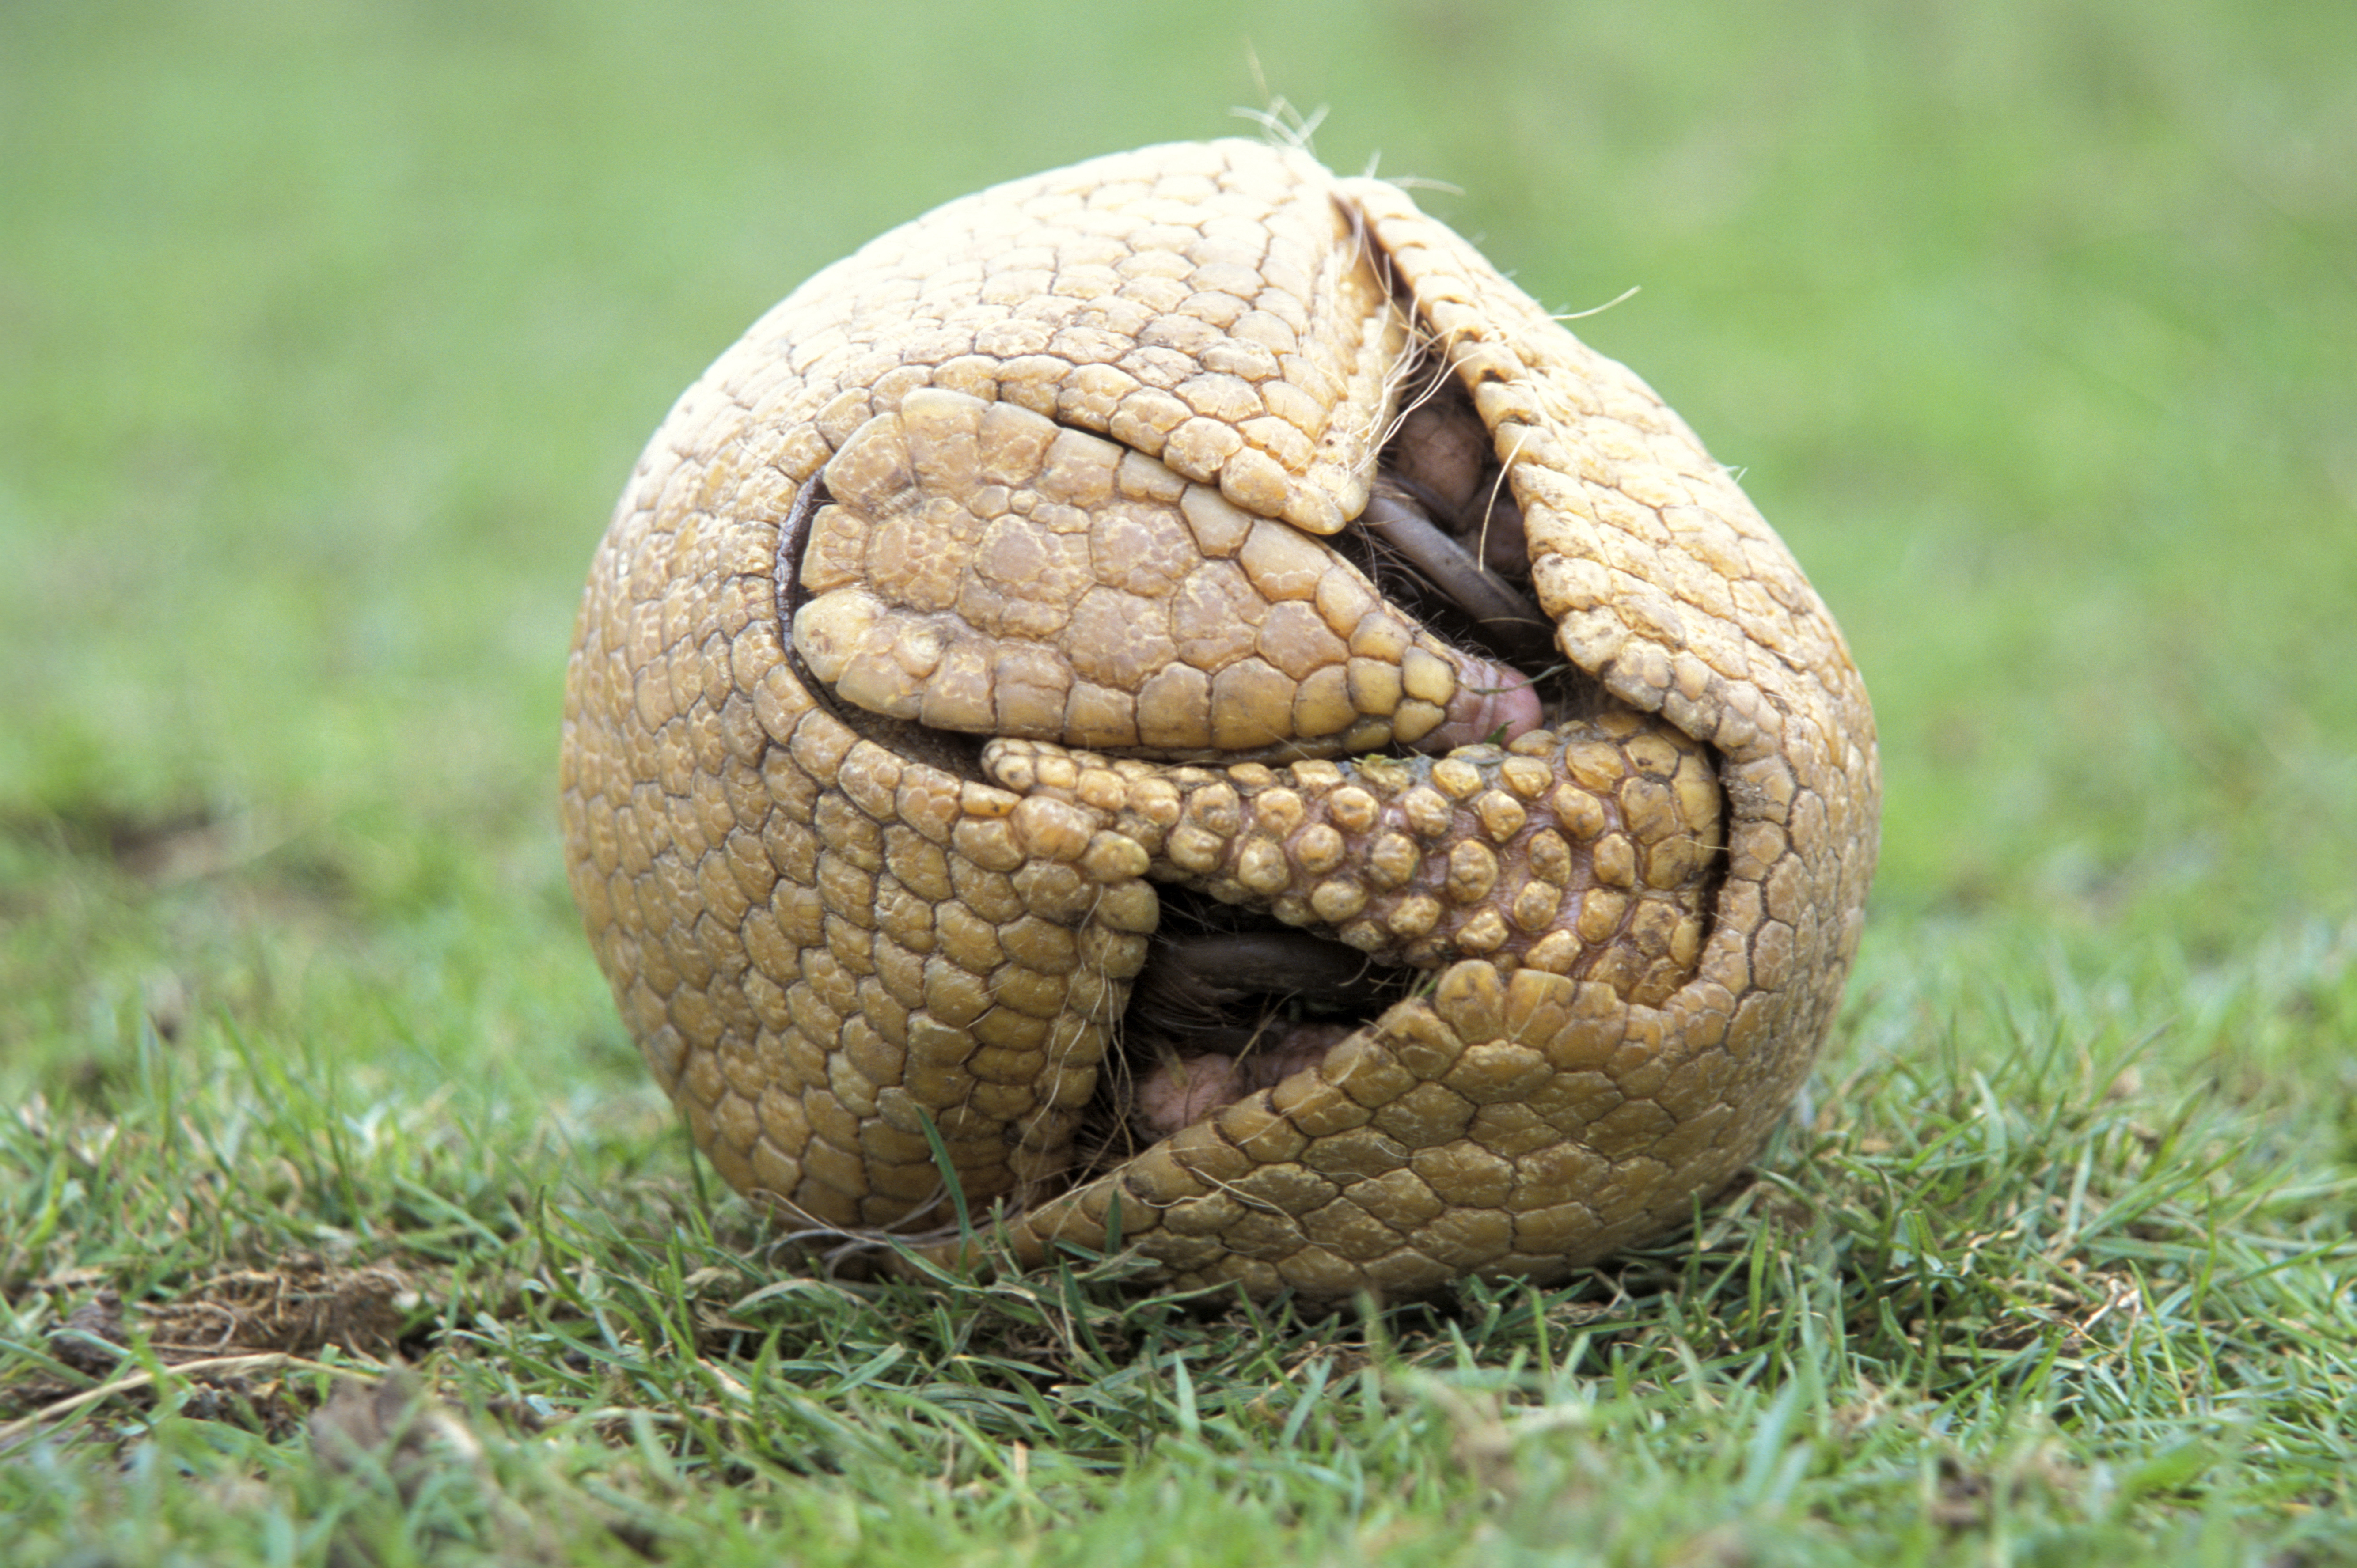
(1162, 529)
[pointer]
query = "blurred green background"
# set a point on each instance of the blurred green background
(328, 332)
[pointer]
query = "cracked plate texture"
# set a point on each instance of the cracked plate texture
(1014, 573)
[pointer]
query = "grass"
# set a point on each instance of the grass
(329, 333)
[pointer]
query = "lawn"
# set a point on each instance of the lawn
(328, 334)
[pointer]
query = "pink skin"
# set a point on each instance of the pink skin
(1184, 1091)
(1493, 702)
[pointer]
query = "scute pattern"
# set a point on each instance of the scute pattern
(826, 930)
(977, 567)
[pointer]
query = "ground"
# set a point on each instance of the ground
(329, 334)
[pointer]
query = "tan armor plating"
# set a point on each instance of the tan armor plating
(1010, 567)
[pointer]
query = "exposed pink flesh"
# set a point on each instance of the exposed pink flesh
(1189, 1088)
(1493, 702)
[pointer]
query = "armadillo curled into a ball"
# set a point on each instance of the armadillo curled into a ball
(1177, 683)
